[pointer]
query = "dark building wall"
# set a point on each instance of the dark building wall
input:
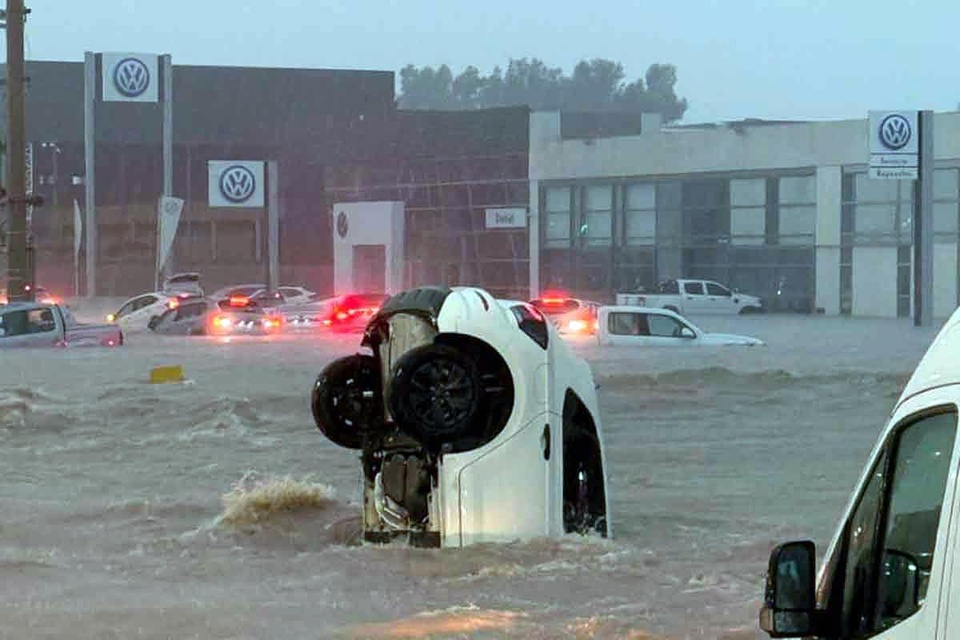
(335, 135)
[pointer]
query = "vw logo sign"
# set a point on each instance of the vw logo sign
(131, 77)
(343, 225)
(237, 183)
(895, 132)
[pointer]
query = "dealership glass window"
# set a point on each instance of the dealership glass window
(882, 210)
(748, 211)
(797, 224)
(557, 202)
(798, 209)
(640, 214)
(597, 215)
(946, 203)
(798, 190)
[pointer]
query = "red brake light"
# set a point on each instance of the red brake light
(342, 315)
(239, 301)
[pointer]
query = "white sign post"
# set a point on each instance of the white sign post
(894, 145)
(124, 77)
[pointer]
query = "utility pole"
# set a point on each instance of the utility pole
(18, 285)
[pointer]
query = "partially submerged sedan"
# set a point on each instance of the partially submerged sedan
(203, 316)
(651, 326)
(475, 423)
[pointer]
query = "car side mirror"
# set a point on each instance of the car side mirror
(789, 602)
(687, 332)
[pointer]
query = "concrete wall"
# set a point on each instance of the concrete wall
(944, 279)
(724, 148)
(827, 147)
(368, 223)
(829, 199)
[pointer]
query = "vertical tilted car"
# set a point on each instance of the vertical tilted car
(474, 422)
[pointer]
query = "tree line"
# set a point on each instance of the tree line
(594, 85)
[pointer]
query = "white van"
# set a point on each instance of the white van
(474, 420)
(892, 570)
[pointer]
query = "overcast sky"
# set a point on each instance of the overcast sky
(811, 59)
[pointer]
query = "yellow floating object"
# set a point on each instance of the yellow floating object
(160, 375)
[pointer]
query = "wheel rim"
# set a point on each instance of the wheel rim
(351, 402)
(441, 394)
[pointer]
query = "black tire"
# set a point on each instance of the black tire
(435, 395)
(584, 501)
(749, 311)
(347, 400)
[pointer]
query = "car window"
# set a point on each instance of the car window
(41, 321)
(663, 326)
(628, 324)
(128, 307)
(14, 323)
(713, 289)
(670, 286)
(693, 288)
(144, 301)
(287, 292)
(169, 315)
(187, 311)
(885, 557)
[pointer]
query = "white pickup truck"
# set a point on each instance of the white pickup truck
(692, 297)
(36, 324)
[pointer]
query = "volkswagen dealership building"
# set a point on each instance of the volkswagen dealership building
(504, 198)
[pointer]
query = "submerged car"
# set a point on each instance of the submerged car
(38, 324)
(650, 326)
(234, 316)
(183, 283)
(570, 315)
(348, 313)
(135, 314)
(475, 423)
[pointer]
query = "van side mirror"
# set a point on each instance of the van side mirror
(789, 602)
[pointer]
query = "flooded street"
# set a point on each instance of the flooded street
(215, 509)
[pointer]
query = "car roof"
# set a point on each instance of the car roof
(22, 306)
(940, 365)
(638, 309)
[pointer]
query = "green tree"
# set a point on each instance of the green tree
(594, 85)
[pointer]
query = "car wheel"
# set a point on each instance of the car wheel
(583, 506)
(435, 394)
(347, 400)
(747, 311)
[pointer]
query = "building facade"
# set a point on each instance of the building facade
(781, 209)
(336, 136)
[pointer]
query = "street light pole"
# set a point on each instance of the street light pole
(17, 264)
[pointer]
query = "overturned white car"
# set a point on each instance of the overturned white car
(475, 421)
